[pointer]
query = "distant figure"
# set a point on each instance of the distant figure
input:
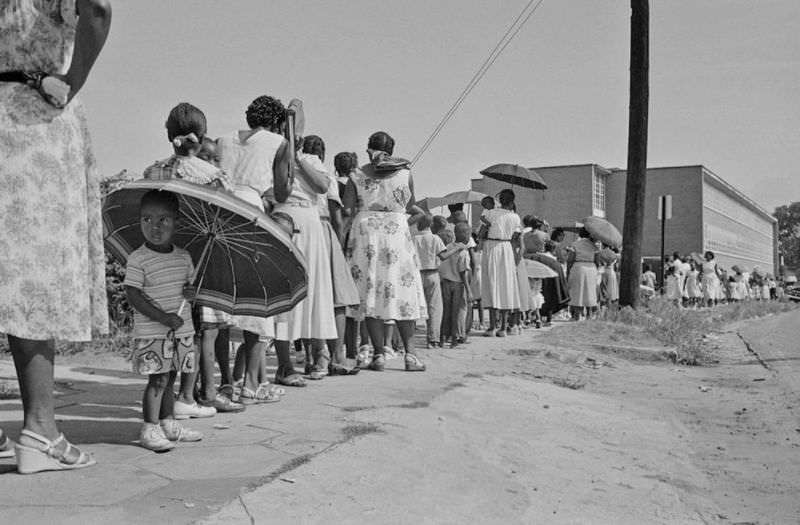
(711, 283)
(429, 247)
(582, 277)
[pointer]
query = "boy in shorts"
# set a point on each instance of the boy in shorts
(155, 277)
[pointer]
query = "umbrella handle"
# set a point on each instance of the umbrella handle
(291, 138)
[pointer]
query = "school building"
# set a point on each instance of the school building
(707, 212)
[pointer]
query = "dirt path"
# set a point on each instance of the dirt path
(547, 428)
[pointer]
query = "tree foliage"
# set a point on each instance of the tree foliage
(788, 231)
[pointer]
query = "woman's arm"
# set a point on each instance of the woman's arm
(349, 199)
(282, 178)
(318, 180)
(94, 22)
(415, 212)
(335, 211)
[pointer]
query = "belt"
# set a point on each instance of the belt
(34, 80)
(429, 270)
(498, 240)
(324, 218)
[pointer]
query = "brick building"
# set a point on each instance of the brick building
(707, 212)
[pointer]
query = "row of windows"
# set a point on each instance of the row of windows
(738, 244)
(717, 200)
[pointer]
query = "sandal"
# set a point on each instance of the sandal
(414, 363)
(378, 363)
(58, 454)
(261, 395)
(293, 379)
(6, 446)
(335, 369)
(275, 389)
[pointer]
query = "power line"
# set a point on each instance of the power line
(498, 49)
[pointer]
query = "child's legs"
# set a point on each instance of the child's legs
(388, 334)
(320, 356)
(447, 310)
(459, 313)
(503, 319)
(208, 340)
(406, 330)
(153, 396)
(222, 352)
(252, 349)
(239, 362)
(364, 333)
(492, 318)
(351, 337)
(433, 295)
(167, 409)
(283, 351)
(187, 381)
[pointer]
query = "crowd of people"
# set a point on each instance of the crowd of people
(691, 281)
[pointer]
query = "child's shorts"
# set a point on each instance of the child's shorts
(160, 356)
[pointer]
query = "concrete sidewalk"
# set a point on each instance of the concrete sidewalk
(99, 409)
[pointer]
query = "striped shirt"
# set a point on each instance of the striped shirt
(161, 278)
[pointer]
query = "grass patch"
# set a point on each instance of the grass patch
(360, 429)
(683, 328)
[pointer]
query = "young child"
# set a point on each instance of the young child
(487, 203)
(186, 129)
(428, 247)
(673, 285)
(456, 290)
(476, 280)
(155, 277)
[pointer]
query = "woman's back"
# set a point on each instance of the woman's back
(389, 194)
(37, 36)
(249, 160)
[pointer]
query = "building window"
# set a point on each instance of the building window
(598, 194)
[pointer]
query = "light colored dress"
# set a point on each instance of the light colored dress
(499, 279)
(693, 285)
(711, 285)
(383, 260)
(52, 263)
(313, 317)
(583, 277)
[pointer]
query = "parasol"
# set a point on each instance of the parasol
(465, 196)
(515, 175)
(434, 202)
(245, 262)
(603, 231)
(539, 270)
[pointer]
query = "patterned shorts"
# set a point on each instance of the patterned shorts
(160, 356)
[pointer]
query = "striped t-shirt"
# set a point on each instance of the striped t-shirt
(161, 278)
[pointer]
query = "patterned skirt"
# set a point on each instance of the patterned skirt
(52, 263)
(385, 267)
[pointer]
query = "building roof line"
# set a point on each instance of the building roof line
(731, 189)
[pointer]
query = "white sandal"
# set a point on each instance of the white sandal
(6, 446)
(47, 456)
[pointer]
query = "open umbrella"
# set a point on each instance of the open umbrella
(465, 196)
(516, 175)
(245, 262)
(539, 270)
(603, 231)
(434, 202)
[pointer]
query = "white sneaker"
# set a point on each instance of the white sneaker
(185, 410)
(152, 438)
(174, 431)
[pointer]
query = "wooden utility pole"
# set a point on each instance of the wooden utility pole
(633, 228)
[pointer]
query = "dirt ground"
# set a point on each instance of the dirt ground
(572, 425)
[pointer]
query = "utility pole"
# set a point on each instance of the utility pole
(633, 228)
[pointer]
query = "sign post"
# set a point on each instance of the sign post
(664, 214)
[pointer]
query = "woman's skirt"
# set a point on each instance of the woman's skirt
(582, 283)
(499, 281)
(711, 287)
(525, 294)
(345, 292)
(311, 318)
(385, 267)
(52, 263)
(609, 286)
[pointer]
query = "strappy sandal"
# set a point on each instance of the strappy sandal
(414, 364)
(58, 454)
(378, 363)
(275, 389)
(6, 446)
(335, 369)
(261, 395)
(294, 380)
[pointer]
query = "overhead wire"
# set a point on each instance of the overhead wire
(498, 49)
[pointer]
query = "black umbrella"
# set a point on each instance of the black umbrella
(516, 175)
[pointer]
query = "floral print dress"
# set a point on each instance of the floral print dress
(383, 260)
(52, 266)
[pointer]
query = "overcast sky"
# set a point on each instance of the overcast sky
(723, 82)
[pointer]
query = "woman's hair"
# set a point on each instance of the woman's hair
(381, 141)
(536, 223)
(583, 232)
(167, 199)
(266, 112)
(506, 197)
(527, 221)
(549, 246)
(314, 145)
(183, 120)
(708, 255)
(558, 232)
(648, 267)
(344, 162)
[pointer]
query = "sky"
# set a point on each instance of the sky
(724, 79)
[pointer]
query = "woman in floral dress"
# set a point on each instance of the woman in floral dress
(52, 280)
(380, 250)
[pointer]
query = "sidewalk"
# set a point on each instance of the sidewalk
(477, 438)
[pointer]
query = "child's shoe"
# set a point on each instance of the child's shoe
(152, 438)
(185, 410)
(175, 432)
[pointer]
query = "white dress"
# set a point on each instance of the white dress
(499, 277)
(52, 263)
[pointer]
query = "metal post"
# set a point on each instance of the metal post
(662, 202)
